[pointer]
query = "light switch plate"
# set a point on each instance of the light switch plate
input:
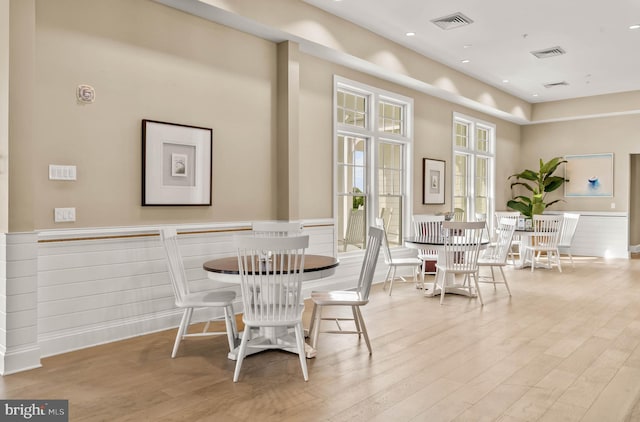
(64, 215)
(57, 172)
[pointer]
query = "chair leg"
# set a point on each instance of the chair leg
(475, 280)
(557, 254)
(234, 325)
(316, 325)
(364, 328)
(571, 258)
(442, 289)
(505, 280)
(386, 278)
(312, 321)
(229, 318)
(242, 352)
(356, 321)
(300, 342)
(423, 269)
(393, 276)
(533, 260)
(182, 329)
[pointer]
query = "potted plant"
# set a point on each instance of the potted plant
(539, 183)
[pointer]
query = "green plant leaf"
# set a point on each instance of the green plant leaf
(540, 183)
(527, 175)
(524, 199)
(553, 183)
(519, 206)
(526, 186)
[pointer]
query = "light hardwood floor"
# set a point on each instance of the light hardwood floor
(565, 347)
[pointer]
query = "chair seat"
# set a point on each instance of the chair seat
(294, 312)
(428, 257)
(207, 298)
(540, 246)
(494, 262)
(453, 270)
(338, 297)
(406, 261)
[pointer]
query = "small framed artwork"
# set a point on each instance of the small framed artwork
(589, 175)
(176, 164)
(433, 178)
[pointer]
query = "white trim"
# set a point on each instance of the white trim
(372, 134)
(472, 153)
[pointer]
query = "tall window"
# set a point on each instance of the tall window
(474, 167)
(373, 140)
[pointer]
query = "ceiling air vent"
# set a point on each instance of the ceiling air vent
(549, 52)
(452, 21)
(555, 84)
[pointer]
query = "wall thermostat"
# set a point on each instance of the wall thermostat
(86, 94)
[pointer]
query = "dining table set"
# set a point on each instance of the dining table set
(271, 263)
(512, 239)
(227, 270)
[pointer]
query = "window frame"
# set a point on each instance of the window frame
(472, 153)
(374, 137)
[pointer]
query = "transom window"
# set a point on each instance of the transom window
(372, 165)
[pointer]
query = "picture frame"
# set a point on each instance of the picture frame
(589, 175)
(433, 181)
(176, 164)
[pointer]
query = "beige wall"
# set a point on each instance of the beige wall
(22, 96)
(148, 61)
(433, 119)
(4, 115)
(321, 30)
(620, 103)
(618, 135)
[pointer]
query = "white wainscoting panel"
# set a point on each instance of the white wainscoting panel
(603, 234)
(101, 285)
(19, 349)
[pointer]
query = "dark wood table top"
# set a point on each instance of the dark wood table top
(432, 241)
(229, 265)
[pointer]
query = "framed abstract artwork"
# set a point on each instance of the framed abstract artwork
(589, 175)
(433, 178)
(176, 164)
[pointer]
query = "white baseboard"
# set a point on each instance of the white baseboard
(19, 359)
(70, 340)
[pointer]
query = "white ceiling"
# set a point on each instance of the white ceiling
(602, 53)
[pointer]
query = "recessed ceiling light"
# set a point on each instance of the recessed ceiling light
(505, 81)
(410, 34)
(467, 46)
(535, 95)
(636, 26)
(465, 61)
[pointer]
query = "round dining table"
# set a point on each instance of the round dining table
(226, 270)
(437, 243)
